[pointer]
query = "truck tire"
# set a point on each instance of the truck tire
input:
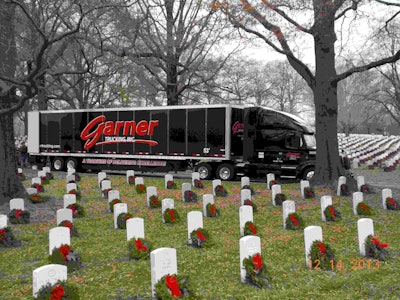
(71, 163)
(205, 171)
(308, 173)
(57, 164)
(225, 172)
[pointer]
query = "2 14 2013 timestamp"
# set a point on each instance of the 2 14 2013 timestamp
(358, 264)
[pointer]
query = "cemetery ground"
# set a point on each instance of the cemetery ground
(214, 272)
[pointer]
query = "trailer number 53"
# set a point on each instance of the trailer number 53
(206, 150)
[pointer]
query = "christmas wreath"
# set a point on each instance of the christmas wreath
(200, 238)
(308, 192)
(122, 218)
(76, 193)
(22, 176)
(256, 271)
(363, 209)
(58, 291)
(294, 222)
(139, 248)
(190, 196)
(212, 211)
(321, 255)
(64, 255)
(375, 249)
(173, 286)
(7, 238)
(73, 231)
(198, 184)
(392, 204)
(250, 229)
(38, 187)
(248, 187)
(44, 180)
(171, 216)
(220, 191)
(36, 198)
(131, 180)
(112, 203)
(49, 176)
(154, 202)
(279, 199)
(171, 185)
(19, 216)
(366, 188)
(251, 203)
(332, 214)
(78, 211)
(344, 190)
(140, 188)
(271, 183)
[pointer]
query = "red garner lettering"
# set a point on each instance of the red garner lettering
(98, 127)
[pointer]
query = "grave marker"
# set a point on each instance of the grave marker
(245, 215)
(69, 199)
(128, 174)
(207, 198)
(357, 198)
(47, 274)
(276, 189)
(166, 203)
(185, 187)
(194, 221)
(195, 175)
(36, 180)
(100, 177)
(245, 194)
(385, 194)
(244, 181)
(112, 195)
(248, 246)
(162, 262)
(71, 171)
(360, 182)
(365, 227)
(270, 177)
(303, 184)
(71, 186)
(3, 221)
(31, 191)
(139, 180)
(17, 203)
(134, 228)
(106, 185)
(150, 191)
(64, 214)
(325, 202)
(215, 183)
(167, 177)
(70, 178)
(119, 208)
(341, 180)
(288, 207)
(311, 234)
(58, 236)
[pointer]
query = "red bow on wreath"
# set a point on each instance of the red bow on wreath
(17, 213)
(57, 292)
(257, 262)
(173, 285)
(294, 220)
(3, 234)
(252, 228)
(212, 209)
(172, 215)
(200, 235)
(332, 210)
(376, 242)
(139, 246)
(322, 248)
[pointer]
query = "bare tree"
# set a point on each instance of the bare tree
(280, 30)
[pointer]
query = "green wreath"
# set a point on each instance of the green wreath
(180, 286)
(171, 216)
(64, 255)
(212, 211)
(279, 199)
(375, 249)
(256, 271)
(19, 216)
(7, 238)
(321, 256)
(139, 249)
(154, 202)
(59, 290)
(122, 218)
(37, 198)
(220, 191)
(140, 188)
(78, 211)
(250, 229)
(200, 238)
(72, 228)
(332, 214)
(251, 203)
(363, 209)
(112, 203)
(294, 222)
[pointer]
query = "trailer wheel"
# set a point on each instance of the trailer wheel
(57, 164)
(308, 173)
(71, 163)
(205, 171)
(225, 172)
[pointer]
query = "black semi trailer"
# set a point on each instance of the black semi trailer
(215, 140)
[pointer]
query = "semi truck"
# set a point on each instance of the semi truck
(219, 141)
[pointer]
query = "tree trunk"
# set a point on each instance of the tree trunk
(172, 58)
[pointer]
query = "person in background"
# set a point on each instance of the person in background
(23, 150)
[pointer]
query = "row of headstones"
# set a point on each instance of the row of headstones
(163, 261)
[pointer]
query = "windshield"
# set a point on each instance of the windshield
(310, 141)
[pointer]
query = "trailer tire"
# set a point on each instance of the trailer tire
(308, 173)
(72, 163)
(57, 164)
(204, 170)
(226, 172)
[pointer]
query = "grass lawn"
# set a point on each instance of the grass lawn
(214, 272)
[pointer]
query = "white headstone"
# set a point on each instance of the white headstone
(245, 194)
(194, 221)
(325, 202)
(168, 177)
(248, 246)
(112, 195)
(365, 227)
(71, 171)
(303, 184)
(207, 198)
(360, 182)
(245, 215)
(34, 167)
(36, 180)
(342, 180)
(69, 199)
(244, 181)
(20, 170)
(71, 186)
(100, 177)
(128, 174)
(355, 163)
(47, 274)
(139, 180)
(276, 189)
(119, 208)
(31, 191)
(17, 203)
(185, 187)
(46, 169)
(195, 175)
(215, 183)
(288, 207)
(357, 198)
(105, 185)
(386, 193)
(150, 191)
(270, 177)
(59, 236)
(41, 174)
(134, 228)
(64, 214)
(166, 203)
(311, 234)
(3, 221)
(162, 262)
(70, 178)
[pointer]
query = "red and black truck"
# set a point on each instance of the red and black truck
(215, 140)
